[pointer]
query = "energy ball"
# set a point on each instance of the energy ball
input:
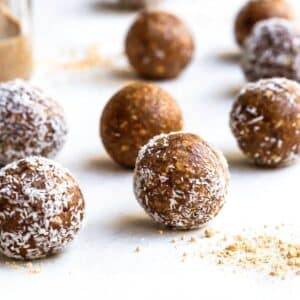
(257, 10)
(132, 116)
(265, 120)
(41, 208)
(31, 123)
(272, 50)
(159, 45)
(180, 180)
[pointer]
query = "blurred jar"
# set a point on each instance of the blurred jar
(16, 57)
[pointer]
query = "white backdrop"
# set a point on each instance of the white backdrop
(102, 264)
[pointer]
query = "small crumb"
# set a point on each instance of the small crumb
(193, 239)
(137, 249)
(231, 248)
(208, 233)
(35, 271)
(183, 257)
(160, 231)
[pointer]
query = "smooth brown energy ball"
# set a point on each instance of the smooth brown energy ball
(159, 45)
(31, 123)
(265, 120)
(180, 180)
(41, 208)
(257, 10)
(135, 114)
(272, 50)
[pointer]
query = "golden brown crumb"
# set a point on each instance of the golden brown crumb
(193, 239)
(137, 249)
(208, 233)
(160, 231)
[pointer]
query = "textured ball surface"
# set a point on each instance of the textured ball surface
(272, 50)
(135, 114)
(31, 123)
(257, 10)
(265, 120)
(159, 45)
(41, 208)
(180, 180)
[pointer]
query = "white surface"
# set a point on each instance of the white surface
(102, 264)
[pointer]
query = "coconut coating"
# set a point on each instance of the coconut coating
(41, 208)
(31, 123)
(257, 10)
(265, 120)
(159, 45)
(180, 180)
(272, 50)
(135, 114)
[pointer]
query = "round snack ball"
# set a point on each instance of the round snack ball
(135, 114)
(265, 120)
(159, 45)
(31, 123)
(41, 208)
(180, 180)
(272, 50)
(257, 10)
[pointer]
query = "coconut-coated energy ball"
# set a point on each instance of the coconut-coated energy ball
(257, 10)
(159, 45)
(41, 208)
(134, 115)
(265, 120)
(272, 50)
(31, 123)
(180, 180)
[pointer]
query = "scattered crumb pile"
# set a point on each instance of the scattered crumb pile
(263, 252)
(79, 59)
(90, 58)
(28, 266)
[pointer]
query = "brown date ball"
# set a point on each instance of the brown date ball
(180, 180)
(257, 10)
(272, 50)
(41, 208)
(265, 121)
(135, 114)
(159, 45)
